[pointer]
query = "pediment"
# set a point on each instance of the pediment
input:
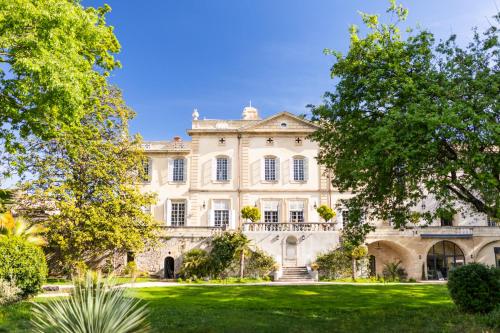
(283, 121)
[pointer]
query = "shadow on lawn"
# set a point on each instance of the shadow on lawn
(378, 308)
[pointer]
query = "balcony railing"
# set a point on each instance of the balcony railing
(298, 226)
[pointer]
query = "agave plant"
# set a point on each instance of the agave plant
(393, 271)
(18, 227)
(95, 306)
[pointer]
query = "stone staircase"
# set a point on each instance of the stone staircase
(295, 274)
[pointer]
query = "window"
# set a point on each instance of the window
(443, 257)
(271, 211)
(146, 170)
(446, 221)
(221, 213)
(497, 256)
(178, 213)
(283, 125)
(299, 169)
(491, 222)
(178, 170)
(222, 169)
(270, 169)
(296, 211)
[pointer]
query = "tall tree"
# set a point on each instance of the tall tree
(411, 119)
(54, 56)
(88, 181)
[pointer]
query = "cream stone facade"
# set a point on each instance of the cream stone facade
(271, 164)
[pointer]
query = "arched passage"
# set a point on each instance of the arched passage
(443, 257)
(383, 252)
(169, 268)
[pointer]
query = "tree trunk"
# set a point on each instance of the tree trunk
(353, 266)
(242, 264)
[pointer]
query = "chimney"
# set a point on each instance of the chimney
(250, 113)
(177, 139)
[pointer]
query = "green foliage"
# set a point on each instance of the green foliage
(195, 264)
(393, 271)
(334, 264)
(355, 230)
(94, 306)
(6, 199)
(326, 212)
(9, 292)
(92, 179)
(131, 269)
(359, 252)
(250, 213)
(23, 263)
(226, 248)
(475, 287)
(259, 264)
(55, 56)
(410, 119)
(492, 319)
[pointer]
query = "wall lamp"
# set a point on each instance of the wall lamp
(204, 205)
(303, 237)
(315, 205)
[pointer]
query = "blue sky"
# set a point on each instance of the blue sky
(218, 55)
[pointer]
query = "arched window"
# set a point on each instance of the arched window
(443, 257)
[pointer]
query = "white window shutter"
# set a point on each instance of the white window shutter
(185, 165)
(211, 218)
(150, 169)
(306, 169)
(170, 170)
(291, 170)
(232, 220)
(229, 169)
(168, 211)
(339, 217)
(263, 169)
(278, 168)
(214, 169)
(188, 212)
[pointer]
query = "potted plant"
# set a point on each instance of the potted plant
(250, 213)
(326, 213)
(314, 271)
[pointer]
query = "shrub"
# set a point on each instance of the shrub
(9, 292)
(259, 264)
(335, 264)
(195, 263)
(131, 269)
(475, 288)
(225, 250)
(393, 271)
(24, 263)
(492, 319)
(325, 212)
(94, 306)
(250, 213)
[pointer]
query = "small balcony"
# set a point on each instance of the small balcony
(289, 226)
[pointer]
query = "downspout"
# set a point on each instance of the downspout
(238, 190)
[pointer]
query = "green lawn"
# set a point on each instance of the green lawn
(328, 308)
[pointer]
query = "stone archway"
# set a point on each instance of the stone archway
(169, 267)
(442, 257)
(383, 252)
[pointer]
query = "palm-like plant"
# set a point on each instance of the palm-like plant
(18, 227)
(95, 306)
(393, 271)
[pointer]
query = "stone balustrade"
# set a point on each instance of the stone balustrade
(288, 226)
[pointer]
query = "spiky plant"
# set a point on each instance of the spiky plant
(18, 227)
(95, 306)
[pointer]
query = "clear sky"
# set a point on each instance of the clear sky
(218, 55)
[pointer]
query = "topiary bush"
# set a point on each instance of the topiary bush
(475, 288)
(335, 264)
(259, 264)
(24, 263)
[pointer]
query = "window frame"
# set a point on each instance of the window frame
(267, 169)
(219, 171)
(176, 172)
(178, 213)
(296, 169)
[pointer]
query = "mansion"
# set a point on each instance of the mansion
(270, 163)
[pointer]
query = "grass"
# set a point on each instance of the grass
(119, 280)
(326, 308)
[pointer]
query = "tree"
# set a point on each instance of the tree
(55, 57)
(250, 213)
(326, 212)
(410, 119)
(89, 184)
(227, 248)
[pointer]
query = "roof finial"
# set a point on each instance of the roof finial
(250, 103)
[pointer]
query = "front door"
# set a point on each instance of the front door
(169, 268)
(290, 252)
